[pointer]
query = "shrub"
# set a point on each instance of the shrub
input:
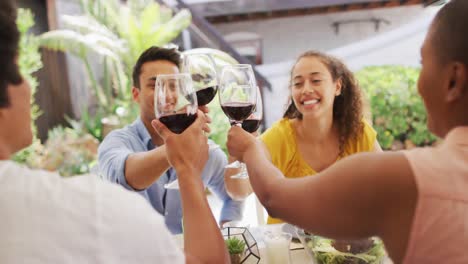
(398, 113)
(29, 62)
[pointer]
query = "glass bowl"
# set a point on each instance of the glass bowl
(329, 251)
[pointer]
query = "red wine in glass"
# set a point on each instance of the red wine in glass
(206, 95)
(251, 125)
(177, 123)
(202, 69)
(238, 111)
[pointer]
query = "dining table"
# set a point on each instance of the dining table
(298, 255)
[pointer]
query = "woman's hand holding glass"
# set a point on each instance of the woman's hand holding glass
(238, 96)
(251, 125)
(239, 142)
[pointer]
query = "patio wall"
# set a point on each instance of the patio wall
(358, 45)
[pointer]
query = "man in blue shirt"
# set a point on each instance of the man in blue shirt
(135, 156)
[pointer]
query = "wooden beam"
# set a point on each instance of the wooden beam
(204, 25)
(311, 11)
(53, 93)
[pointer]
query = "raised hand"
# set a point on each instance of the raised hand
(187, 151)
(239, 141)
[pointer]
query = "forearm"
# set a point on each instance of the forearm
(264, 177)
(202, 236)
(285, 198)
(144, 168)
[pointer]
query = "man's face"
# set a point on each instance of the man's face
(431, 83)
(15, 120)
(145, 95)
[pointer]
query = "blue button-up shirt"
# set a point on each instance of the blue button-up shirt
(120, 143)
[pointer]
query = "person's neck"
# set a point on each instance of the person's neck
(316, 130)
(456, 120)
(155, 138)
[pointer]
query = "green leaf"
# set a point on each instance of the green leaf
(76, 43)
(170, 30)
(86, 25)
(398, 112)
(29, 62)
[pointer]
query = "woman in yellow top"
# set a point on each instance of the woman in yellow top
(323, 122)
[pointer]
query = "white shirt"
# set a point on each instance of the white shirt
(47, 219)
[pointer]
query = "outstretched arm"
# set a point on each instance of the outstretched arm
(363, 195)
(142, 169)
(119, 162)
(188, 153)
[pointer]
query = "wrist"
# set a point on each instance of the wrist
(189, 172)
(252, 148)
(190, 180)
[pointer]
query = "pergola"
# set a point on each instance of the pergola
(242, 10)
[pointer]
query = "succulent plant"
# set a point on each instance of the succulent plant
(235, 245)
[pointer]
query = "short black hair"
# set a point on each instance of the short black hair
(9, 38)
(449, 32)
(154, 54)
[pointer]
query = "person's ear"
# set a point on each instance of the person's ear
(338, 84)
(136, 94)
(458, 83)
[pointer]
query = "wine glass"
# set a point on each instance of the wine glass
(251, 125)
(175, 104)
(237, 94)
(202, 69)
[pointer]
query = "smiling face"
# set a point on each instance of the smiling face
(313, 89)
(144, 95)
(168, 89)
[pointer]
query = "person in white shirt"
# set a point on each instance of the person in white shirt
(48, 219)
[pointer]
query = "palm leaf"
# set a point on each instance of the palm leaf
(165, 14)
(150, 19)
(104, 11)
(86, 25)
(138, 6)
(79, 45)
(76, 43)
(170, 30)
(65, 41)
(120, 80)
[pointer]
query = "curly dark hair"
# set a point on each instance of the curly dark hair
(9, 37)
(347, 107)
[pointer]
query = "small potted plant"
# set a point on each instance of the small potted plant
(236, 249)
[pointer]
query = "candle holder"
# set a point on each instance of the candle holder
(251, 252)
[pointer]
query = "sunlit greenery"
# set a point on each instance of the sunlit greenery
(398, 113)
(29, 62)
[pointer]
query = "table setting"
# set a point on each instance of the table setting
(287, 244)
